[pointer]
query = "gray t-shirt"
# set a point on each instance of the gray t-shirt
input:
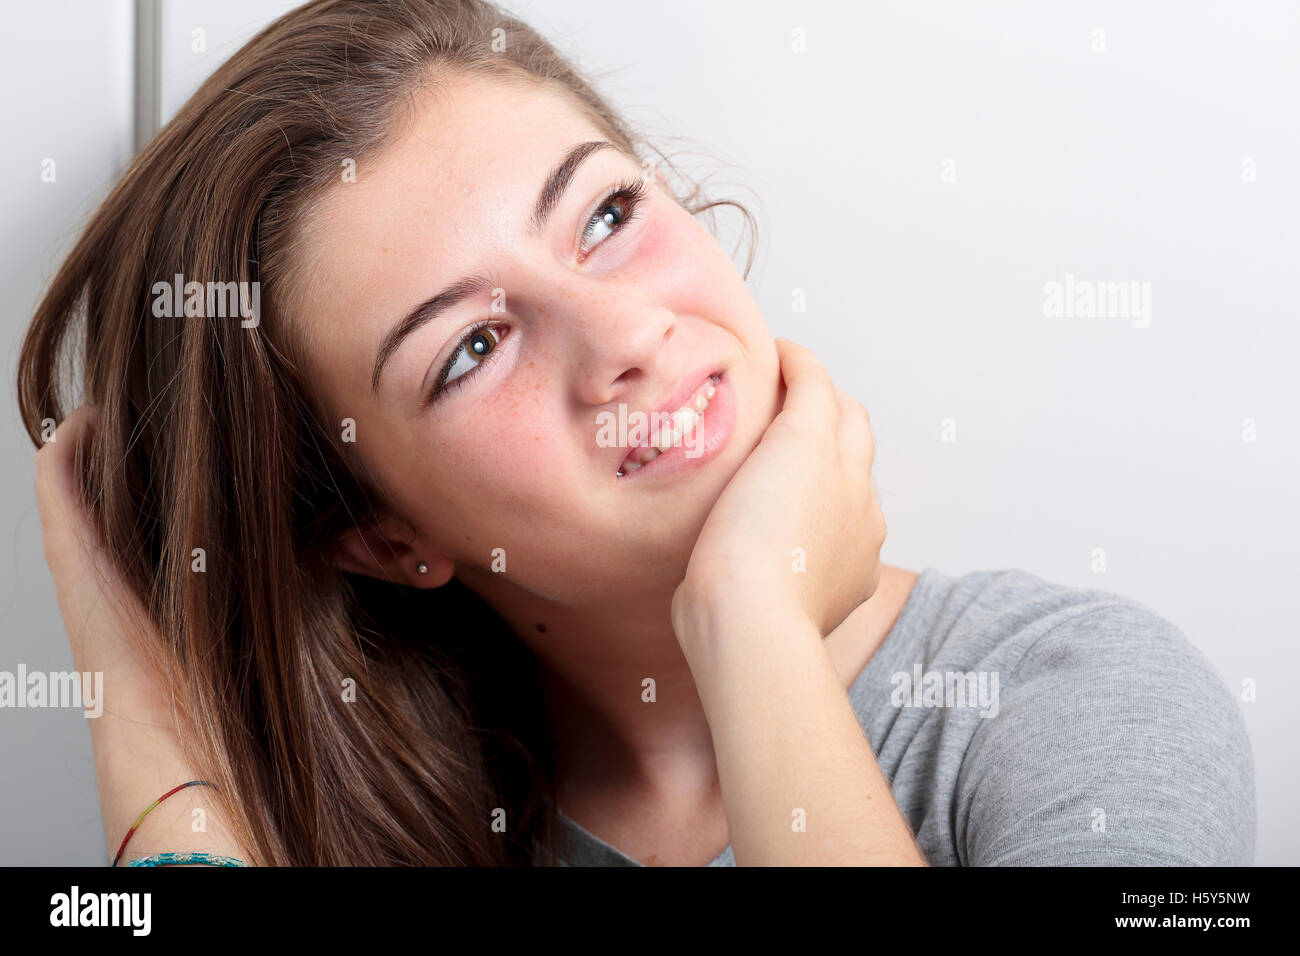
(1021, 722)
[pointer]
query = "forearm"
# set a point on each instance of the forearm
(139, 755)
(135, 764)
(800, 784)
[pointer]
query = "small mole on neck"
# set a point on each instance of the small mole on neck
(541, 628)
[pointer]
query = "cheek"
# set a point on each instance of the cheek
(690, 273)
(499, 470)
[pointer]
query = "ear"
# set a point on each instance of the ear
(386, 549)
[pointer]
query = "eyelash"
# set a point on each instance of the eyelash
(439, 389)
(632, 193)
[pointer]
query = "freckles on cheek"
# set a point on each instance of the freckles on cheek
(508, 437)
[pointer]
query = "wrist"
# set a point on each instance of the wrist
(703, 612)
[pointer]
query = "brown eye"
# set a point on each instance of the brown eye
(615, 212)
(472, 351)
(480, 343)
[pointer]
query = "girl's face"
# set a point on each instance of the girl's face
(547, 304)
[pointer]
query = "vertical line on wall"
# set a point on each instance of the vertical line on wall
(148, 70)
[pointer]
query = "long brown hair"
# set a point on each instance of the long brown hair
(209, 438)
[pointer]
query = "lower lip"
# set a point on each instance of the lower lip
(711, 434)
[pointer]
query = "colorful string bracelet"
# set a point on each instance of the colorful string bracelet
(180, 859)
(140, 818)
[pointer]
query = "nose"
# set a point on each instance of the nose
(615, 338)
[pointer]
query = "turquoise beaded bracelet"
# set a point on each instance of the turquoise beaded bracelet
(179, 859)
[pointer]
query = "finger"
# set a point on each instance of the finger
(74, 548)
(57, 488)
(854, 433)
(810, 393)
(65, 522)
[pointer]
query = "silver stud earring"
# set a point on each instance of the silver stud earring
(422, 568)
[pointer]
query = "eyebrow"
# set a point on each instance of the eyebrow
(551, 193)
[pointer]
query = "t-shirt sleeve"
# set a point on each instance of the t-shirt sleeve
(1115, 743)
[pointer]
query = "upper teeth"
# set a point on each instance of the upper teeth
(683, 420)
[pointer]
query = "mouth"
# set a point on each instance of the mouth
(673, 428)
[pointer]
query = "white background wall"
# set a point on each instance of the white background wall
(67, 95)
(924, 291)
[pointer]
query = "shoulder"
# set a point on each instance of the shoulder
(1035, 627)
(1117, 646)
(1113, 740)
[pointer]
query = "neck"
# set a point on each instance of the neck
(613, 728)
